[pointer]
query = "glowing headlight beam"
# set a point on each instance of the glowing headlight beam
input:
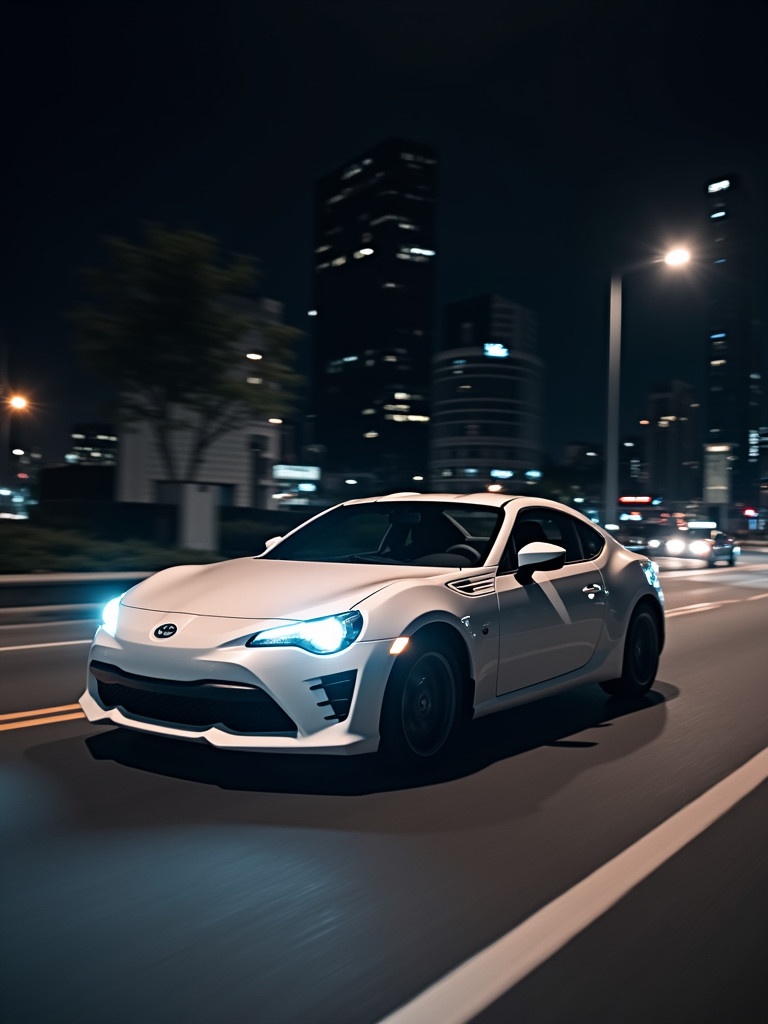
(327, 635)
(109, 615)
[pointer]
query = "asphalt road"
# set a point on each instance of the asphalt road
(151, 880)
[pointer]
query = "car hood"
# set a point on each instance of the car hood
(252, 588)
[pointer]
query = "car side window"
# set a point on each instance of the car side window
(544, 525)
(592, 543)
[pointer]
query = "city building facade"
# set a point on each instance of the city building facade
(372, 316)
(487, 392)
(92, 444)
(673, 444)
(735, 412)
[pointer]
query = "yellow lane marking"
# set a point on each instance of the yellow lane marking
(40, 711)
(41, 716)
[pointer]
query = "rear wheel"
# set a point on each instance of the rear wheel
(641, 657)
(422, 707)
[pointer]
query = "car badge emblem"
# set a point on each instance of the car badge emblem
(163, 632)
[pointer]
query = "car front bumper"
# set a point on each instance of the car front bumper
(216, 690)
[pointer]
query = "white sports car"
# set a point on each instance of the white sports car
(382, 623)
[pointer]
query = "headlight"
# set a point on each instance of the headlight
(651, 571)
(699, 547)
(654, 543)
(328, 635)
(109, 615)
(675, 546)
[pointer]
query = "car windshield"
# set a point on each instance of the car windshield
(395, 533)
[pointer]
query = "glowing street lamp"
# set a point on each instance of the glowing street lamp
(677, 257)
(13, 404)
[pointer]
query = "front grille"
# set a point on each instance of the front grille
(198, 704)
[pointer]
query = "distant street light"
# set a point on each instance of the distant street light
(676, 257)
(15, 403)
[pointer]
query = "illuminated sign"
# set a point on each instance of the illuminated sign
(719, 186)
(495, 350)
(284, 472)
(635, 499)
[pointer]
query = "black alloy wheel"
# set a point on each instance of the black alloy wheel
(421, 714)
(641, 657)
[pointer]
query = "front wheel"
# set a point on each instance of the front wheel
(422, 708)
(641, 657)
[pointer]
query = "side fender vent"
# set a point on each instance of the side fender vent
(474, 586)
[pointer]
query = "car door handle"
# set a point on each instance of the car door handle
(593, 588)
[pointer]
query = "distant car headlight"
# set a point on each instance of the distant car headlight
(699, 547)
(328, 635)
(654, 543)
(675, 546)
(109, 615)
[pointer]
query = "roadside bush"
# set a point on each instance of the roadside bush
(25, 548)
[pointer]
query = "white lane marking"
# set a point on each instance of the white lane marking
(474, 985)
(691, 609)
(53, 643)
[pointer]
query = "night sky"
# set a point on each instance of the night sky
(574, 138)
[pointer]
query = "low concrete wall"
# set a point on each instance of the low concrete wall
(66, 588)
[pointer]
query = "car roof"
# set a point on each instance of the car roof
(488, 499)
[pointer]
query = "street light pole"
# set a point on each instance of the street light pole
(612, 424)
(677, 257)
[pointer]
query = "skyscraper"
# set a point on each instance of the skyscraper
(673, 444)
(374, 279)
(735, 397)
(487, 414)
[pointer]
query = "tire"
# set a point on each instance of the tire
(732, 559)
(421, 716)
(641, 657)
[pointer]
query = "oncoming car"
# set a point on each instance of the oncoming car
(381, 624)
(699, 540)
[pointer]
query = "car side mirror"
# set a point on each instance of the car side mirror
(271, 542)
(538, 557)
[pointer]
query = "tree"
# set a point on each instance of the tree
(173, 325)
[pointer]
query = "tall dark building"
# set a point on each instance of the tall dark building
(673, 444)
(374, 283)
(487, 397)
(735, 396)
